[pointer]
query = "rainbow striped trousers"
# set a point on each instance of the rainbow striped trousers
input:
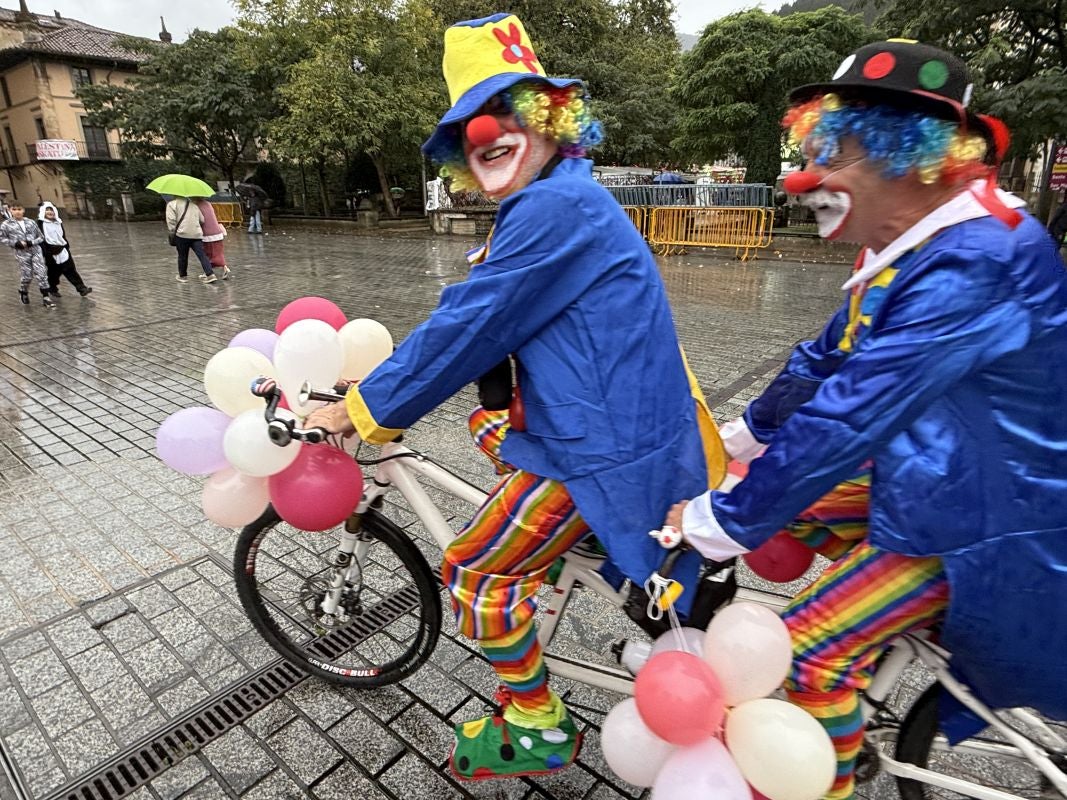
(843, 622)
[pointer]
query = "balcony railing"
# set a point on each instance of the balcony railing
(87, 151)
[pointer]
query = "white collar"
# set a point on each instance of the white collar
(961, 208)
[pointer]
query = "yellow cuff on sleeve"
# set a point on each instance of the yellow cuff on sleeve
(367, 428)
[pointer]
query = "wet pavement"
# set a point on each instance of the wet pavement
(118, 618)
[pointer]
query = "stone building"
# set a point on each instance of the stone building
(43, 125)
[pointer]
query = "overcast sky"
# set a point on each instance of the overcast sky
(141, 17)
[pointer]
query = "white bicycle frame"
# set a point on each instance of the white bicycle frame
(398, 469)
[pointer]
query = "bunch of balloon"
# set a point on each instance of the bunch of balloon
(700, 724)
(312, 487)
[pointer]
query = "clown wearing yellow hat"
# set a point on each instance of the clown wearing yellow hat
(601, 430)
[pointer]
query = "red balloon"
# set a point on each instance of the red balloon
(310, 308)
(679, 698)
(781, 559)
(317, 491)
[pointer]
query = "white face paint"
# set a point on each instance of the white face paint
(509, 162)
(831, 210)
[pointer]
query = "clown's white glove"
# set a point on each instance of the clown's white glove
(705, 534)
(739, 442)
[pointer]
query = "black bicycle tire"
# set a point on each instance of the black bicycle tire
(389, 534)
(915, 738)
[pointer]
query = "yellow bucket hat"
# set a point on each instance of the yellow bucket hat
(483, 57)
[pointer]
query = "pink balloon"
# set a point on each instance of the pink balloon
(318, 490)
(679, 698)
(232, 499)
(310, 308)
(781, 559)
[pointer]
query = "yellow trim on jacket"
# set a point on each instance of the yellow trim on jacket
(714, 450)
(366, 426)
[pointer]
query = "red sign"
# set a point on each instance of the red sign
(1058, 179)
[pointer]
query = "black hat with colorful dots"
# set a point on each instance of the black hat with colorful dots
(902, 73)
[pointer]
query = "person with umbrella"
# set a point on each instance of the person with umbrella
(253, 197)
(185, 221)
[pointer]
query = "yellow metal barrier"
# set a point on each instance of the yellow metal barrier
(638, 217)
(228, 213)
(672, 229)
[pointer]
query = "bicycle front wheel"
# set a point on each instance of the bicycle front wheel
(389, 617)
(985, 760)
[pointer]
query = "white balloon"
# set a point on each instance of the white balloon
(228, 377)
(701, 771)
(307, 351)
(367, 343)
(633, 752)
(748, 647)
(781, 749)
(688, 640)
(249, 449)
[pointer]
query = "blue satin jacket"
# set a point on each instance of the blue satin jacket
(957, 390)
(571, 288)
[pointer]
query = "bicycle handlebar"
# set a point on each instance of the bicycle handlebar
(284, 431)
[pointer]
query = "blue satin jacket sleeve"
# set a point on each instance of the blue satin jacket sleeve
(808, 366)
(538, 264)
(942, 318)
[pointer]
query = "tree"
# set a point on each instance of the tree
(733, 85)
(195, 102)
(360, 80)
(1017, 50)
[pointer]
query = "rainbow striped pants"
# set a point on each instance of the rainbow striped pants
(842, 623)
(495, 565)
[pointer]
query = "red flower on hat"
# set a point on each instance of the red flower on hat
(515, 52)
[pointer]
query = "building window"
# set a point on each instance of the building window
(41, 134)
(6, 93)
(81, 76)
(95, 140)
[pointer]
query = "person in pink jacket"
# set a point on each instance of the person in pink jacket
(214, 233)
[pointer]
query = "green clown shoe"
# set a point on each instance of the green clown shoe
(497, 747)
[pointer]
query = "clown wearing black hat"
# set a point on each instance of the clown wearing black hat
(920, 441)
(603, 432)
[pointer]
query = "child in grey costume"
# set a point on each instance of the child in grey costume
(24, 237)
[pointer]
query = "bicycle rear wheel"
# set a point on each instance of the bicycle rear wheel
(985, 759)
(389, 617)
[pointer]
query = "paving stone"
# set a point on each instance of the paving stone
(128, 633)
(122, 701)
(182, 697)
(74, 636)
(14, 714)
(152, 600)
(270, 718)
(345, 783)
(303, 750)
(23, 646)
(239, 759)
(279, 786)
(39, 674)
(61, 709)
(97, 667)
(155, 664)
(85, 747)
(179, 779)
(178, 625)
(369, 743)
(412, 777)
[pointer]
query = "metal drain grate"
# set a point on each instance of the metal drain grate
(127, 772)
(150, 759)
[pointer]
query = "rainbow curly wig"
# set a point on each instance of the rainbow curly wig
(561, 114)
(937, 149)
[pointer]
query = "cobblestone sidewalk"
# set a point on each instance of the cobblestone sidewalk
(118, 620)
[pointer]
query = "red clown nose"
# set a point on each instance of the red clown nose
(483, 130)
(801, 182)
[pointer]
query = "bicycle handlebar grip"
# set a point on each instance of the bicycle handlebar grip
(263, 386)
